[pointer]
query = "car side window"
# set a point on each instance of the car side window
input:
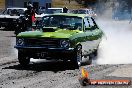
(92, 23)
(86, 24)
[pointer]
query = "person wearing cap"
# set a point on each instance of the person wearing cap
(30, 14)
(65, 10)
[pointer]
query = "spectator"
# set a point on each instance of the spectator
(30, 14)
(65, 10)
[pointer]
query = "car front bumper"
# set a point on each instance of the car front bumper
(47, 53)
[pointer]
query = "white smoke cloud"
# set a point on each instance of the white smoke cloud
(117, 47)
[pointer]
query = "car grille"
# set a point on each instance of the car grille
(53, 43)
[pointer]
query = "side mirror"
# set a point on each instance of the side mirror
(87, 28)
(90, 28)
(93, 27)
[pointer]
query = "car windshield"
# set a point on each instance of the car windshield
(82, 11)
(63, 22)
(88, 11)
(74, 11)
(16, 12)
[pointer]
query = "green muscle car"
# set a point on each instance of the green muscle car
(67, 37)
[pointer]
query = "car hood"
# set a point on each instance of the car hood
(56, 34)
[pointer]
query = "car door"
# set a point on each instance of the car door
(92, 35)
(86, 45)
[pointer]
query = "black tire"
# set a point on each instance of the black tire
(87, 60)
(23, 59)
(90, 59)
(77, 56)
(95, 52)
(17, 31)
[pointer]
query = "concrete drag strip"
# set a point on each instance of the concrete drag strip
(122, 72)
(8, 60)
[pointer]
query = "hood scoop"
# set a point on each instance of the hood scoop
(49, 29)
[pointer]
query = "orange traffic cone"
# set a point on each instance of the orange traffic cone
(84, 80)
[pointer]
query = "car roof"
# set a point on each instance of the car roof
(71, 14)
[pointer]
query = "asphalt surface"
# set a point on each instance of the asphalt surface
(58, 74)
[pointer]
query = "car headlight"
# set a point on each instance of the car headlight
(20, 42)
(64, 43)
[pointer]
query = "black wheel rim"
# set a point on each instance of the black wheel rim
(79, 55)
(24, 61)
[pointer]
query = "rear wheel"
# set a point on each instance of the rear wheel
(87, 60)
(95, 52)
(23, 59)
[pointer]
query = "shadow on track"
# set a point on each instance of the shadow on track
(6, 29)
(54, 66)
(45, 66)
(11, 36)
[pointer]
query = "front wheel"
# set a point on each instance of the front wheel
(95, 52)
(77, 56)
(23, 59)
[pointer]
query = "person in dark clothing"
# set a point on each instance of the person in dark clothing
(22, 25)
(29, 14)
(65, 10)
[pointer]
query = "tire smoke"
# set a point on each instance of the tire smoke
(116, 47)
